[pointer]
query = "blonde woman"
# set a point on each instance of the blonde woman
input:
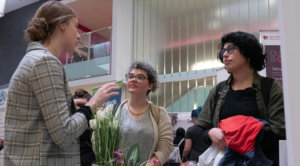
(39, 127)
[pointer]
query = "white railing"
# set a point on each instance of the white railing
(92, 57)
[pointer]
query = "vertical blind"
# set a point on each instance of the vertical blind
(182, 36)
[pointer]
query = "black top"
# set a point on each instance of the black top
(240, 102)
(243, 102)
(87, 156)
(198, 145)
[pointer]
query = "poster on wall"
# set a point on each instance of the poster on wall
(115, 100)
(182, 119)
(3, 99)
(271, 42)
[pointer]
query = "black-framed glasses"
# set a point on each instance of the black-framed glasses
(138, 78)
(230, 49)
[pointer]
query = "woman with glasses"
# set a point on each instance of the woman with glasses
(244, 93)
(144, 123)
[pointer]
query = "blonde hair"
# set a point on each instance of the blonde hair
(44, 22)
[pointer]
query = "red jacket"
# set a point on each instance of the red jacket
(240, 132)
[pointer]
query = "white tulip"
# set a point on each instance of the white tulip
(100, 115)
(109, 109)
(93, 123)
(114, 123)
(100, 109)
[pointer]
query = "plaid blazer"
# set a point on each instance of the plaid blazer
(39, 127)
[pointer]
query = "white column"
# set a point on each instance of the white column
(122, 37)
(290, 35)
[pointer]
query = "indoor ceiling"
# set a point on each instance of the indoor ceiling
(93, 14)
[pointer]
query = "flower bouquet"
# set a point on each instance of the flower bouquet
(106, 138)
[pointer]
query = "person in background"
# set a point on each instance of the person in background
(39, 126)
(195, 114)
(87, 156)
(194, 144)
(143, 118)
(242, 94)
(179, 139)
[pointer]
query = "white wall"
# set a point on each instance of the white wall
(122, 36)
(149, 31)
(290, 35)
(223, 75)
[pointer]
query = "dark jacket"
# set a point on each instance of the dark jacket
(87, 156)
(273, 113)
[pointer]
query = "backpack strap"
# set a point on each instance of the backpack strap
(266, 85)
(119, 107)
(180, 142)
(155, 111)
(220, 88)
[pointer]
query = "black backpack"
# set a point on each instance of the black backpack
(266, 84)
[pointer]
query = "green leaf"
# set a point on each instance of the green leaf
(133, 156)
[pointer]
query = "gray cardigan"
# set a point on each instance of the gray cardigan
(162, 145)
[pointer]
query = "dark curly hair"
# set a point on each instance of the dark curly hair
(249, 47)
(149, 69)
(180, 132)
(81, 93)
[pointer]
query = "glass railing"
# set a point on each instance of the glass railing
(187, 102)
(91, 58)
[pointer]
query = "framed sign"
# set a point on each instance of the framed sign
(271, 42)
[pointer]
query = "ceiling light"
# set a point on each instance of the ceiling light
(2, 7)
(208, 64)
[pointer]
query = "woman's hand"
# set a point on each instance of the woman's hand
(154, 162)
(217, 137)
(80, 101)
(102, 95)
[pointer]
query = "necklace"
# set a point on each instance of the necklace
(137, 114)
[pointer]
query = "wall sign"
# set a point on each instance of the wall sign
(271, 42)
